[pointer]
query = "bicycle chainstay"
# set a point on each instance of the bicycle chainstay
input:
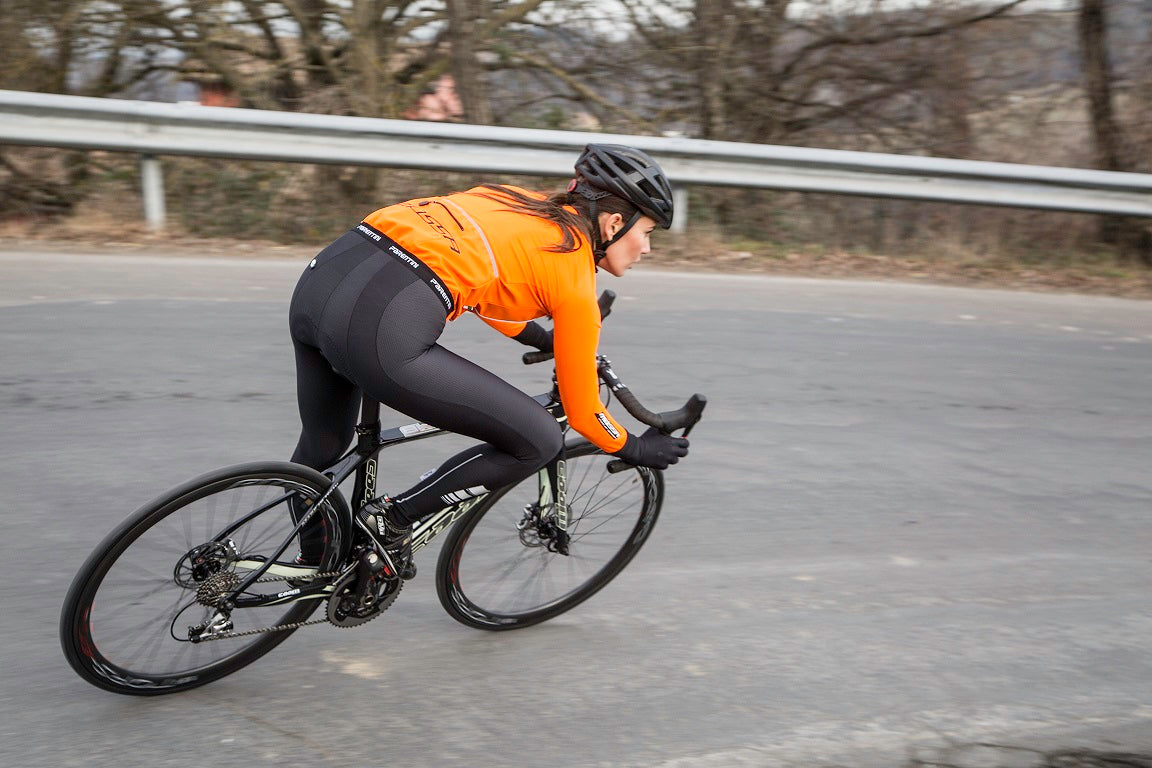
(278, 627)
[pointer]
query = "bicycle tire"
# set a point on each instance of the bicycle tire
(610, 514)
(138, 569)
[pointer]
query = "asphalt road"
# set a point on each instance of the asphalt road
(913, 517)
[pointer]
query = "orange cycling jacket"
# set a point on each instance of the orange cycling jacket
(494, 261)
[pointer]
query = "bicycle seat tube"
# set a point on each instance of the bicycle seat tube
(368, 446)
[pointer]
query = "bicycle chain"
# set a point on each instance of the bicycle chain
(278, 627)
(309, 577)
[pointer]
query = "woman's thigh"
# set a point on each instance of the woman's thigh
(394, 357)
(328, 405)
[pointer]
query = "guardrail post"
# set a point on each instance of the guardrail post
(680, 206)
(152, 183)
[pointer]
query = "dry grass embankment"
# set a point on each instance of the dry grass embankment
(943, 262)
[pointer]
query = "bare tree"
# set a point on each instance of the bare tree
(88, 48)
(782, 72)
(84, 48)
(1106, 135)
(1129, 234)
(362, 57)
(1142, 113)
(465, 26)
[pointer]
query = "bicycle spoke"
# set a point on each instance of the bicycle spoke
(131, 631)
(604, 500)
(152, 641)
(513, 576)
(138, 614)
(576, 487)
(601, 524)
(509, 568)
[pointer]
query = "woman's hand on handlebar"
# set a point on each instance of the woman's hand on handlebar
(653, 449)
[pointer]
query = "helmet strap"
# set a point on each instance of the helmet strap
(589, 193)
(580, 187)
(598, 246)
(623, 230)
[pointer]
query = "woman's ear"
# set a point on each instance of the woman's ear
(610, 224)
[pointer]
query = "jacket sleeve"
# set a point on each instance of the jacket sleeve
(577, 334)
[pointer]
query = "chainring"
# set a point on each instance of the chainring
(342, 608)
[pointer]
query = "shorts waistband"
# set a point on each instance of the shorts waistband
(399, 252)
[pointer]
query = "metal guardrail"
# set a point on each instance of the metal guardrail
(153, 129)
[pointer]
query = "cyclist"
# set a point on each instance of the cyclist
(368, 310)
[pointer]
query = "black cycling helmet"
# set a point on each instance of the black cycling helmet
(626, 172)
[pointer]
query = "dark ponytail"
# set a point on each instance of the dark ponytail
(575, 227)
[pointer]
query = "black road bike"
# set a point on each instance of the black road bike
(203, 580)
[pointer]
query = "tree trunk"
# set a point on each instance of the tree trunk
(1129, 235)
(1093, 27)
(367, 58)
(311, 21)
(713, 19)
(951, 99)
(464, 19)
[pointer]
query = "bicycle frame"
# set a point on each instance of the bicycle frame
(371, 439)
(362, 461)
(519, 555)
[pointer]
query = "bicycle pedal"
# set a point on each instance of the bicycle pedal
(407, 572)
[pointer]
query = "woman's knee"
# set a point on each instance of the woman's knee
(546, 443)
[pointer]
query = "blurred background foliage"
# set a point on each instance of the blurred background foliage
(1055, 82)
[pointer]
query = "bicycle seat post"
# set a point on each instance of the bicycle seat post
(368, 430)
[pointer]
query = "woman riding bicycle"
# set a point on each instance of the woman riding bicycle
(368, 310)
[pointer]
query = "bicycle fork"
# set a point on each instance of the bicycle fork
(548, 518)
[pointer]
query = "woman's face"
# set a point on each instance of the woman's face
(626, 251)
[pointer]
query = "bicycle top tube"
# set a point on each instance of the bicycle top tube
(420, 430)
(373, 438)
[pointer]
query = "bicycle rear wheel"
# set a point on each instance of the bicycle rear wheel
(495, 572)
(125, 622)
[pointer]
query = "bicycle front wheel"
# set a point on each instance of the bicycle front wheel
(125, 626)
(496, 571)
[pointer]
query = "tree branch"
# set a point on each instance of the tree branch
(583, 91)
(829, 41)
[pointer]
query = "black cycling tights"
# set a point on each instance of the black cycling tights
(362, 321)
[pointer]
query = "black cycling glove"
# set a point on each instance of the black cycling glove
(534, 335)
(653, 449)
